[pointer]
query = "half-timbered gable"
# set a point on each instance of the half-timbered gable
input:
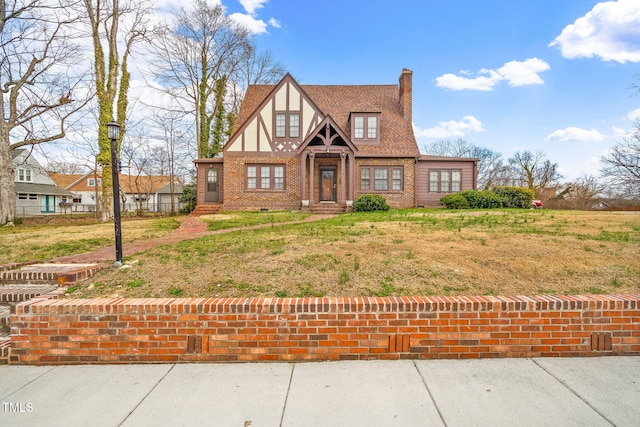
(278, 124)
(320, 147)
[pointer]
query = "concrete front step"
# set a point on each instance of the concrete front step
(52, 274)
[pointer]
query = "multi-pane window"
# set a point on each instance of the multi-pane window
(287, 125)
(265, 177)
(24, 175)
(365, 179)
(445, 181)
(91, 182)
(281, 125)
(24, 196)
(385, 178)
(372, 127)
(358, 127)
(381, 182)
(366, 127)
(294, 125)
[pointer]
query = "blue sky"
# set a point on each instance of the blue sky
(543, 75)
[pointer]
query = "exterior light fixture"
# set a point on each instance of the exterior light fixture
(113, 133)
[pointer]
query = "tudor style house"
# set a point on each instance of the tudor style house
(318, 148)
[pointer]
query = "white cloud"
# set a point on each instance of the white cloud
(275, 23)
(611, 31)
(619, 132)
(252, 5)
(575, 134)
(451, 128)
(256, 26)
(634, 115)
(515, 73)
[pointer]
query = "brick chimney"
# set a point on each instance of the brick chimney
(405, 93)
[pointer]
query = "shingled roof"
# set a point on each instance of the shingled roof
(338, 101)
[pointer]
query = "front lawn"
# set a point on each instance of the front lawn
(400, 252)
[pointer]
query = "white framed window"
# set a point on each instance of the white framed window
(24, 175)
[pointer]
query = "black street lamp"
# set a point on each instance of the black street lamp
(113, 133)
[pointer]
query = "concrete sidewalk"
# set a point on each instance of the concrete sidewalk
(506, 392)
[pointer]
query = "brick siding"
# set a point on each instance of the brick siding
(289, 329)
(403, 199)
(236, 197)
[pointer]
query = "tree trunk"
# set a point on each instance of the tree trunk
(7, 183)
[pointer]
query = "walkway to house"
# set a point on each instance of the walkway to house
(191, 227)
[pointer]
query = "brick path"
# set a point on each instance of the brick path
(191, 227)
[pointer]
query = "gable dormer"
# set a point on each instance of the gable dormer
(365, 127)
(280, 123)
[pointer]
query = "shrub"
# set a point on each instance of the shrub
(454, 201)
(188, 197)
(515, 197)
(484, 199)
(370, 202)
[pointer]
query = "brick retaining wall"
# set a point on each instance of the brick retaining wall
(298, 329)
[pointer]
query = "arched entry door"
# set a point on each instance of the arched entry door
(212, 193)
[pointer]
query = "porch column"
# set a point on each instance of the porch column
(352, 183)
(343, 176)
(303, 176)
(312, 156)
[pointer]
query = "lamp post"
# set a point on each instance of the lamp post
(113, 133)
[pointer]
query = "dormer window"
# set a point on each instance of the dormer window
(24, 175)
(365, 127)
(287, 125)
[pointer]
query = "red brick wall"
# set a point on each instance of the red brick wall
(403, 199)
(236, 197)
(290, 329)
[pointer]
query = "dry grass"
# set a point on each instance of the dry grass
(410, 252)
(36, 241)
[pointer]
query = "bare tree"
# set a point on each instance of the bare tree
(533, 171)
(200, 55)
(491, 168)
(112, 75)
(64, 167)
(584, 191)
(39, 85)
(622, 165)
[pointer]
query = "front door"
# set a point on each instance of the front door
(49, 204)
(328, 184)
(212, 193)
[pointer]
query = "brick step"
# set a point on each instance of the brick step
(5, 313)
(12, 293)
(207, 209)
(5, 349)
(51, 274)
(327, 209)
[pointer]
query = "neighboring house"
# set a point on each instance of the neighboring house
(138, 193)
(36, 192)
(318, 148)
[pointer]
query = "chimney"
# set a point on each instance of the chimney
(405, 93)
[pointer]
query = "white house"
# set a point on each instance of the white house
(36, 192)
